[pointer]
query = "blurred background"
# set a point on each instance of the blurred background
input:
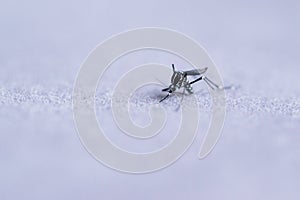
(255, 45)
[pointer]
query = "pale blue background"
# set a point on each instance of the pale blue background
(255, 44)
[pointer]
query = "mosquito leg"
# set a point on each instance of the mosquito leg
(182, 96)
(164, 98)
(166, 89)
(211, 83)
(198, 79)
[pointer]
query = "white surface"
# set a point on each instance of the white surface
(255, 46)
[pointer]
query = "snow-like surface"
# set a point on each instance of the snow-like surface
(255, 46)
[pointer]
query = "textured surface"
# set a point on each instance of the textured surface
(59, 99)
(255, 45)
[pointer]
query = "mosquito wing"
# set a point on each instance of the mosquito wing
(194, 72)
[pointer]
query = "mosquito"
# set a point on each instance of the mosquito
(179, 80)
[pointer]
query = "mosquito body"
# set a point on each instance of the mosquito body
(179, 80)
